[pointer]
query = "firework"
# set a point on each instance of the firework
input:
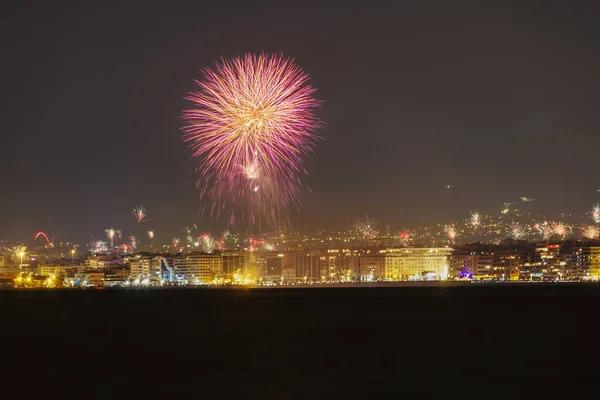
(590, 232)
(475, 219)
(98, 246)
(544, 229)
(252, 124)
(365, 227)
(176, 242)
(140, 214)
(133, 241)
(110, 234)
(560, 229)
(596, 213)
(404, 238)
(517, 231)
(151, 237)
(450, 232)
(208, 243)
(42, 234)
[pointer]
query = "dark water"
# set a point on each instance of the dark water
(428, 342)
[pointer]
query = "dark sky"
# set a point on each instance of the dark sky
(499, 99)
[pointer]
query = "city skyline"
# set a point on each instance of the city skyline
(516, 219)
(420, 128)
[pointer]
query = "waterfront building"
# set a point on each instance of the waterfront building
(416, 263)
(197, 268)
(234, 265)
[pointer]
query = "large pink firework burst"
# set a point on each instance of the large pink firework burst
(252, 124)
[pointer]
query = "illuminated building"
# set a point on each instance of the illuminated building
(197, 268)
(595, 262)
(353, 266)
(372, 267)
(496, 262)
(89, 279)
(288, 274)
(580, 262)
(144, 266)
(416, 263)
(509, 265)
(307, 266)
(381, 241)
(545, 265)
(98, 261)
(234, 264)
(270, 266)
(462, 264)
(140, 267)
(337, 265)
(9, 269)
(57, 270)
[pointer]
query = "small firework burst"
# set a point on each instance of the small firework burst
(98, 246)
(111, 234)
(475, 219)
(208, 243)
(517, 231)
(365, 227)
(140, 214)
(544, 229)
(596, 213)
(590, 232)
(450, 232)
(404, 237)
(560, 229)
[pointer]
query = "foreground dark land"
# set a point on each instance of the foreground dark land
(470, 341)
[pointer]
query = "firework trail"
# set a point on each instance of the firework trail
(110, 234)
(151, 237)
(365, 227)
(140, 214)
(596, 213)
(176, 242)
(475, 219)
(133, 241)
(42, 234)
(252, 124)
(188, 236)
(450, 232)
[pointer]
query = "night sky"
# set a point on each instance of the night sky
(498, 99)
